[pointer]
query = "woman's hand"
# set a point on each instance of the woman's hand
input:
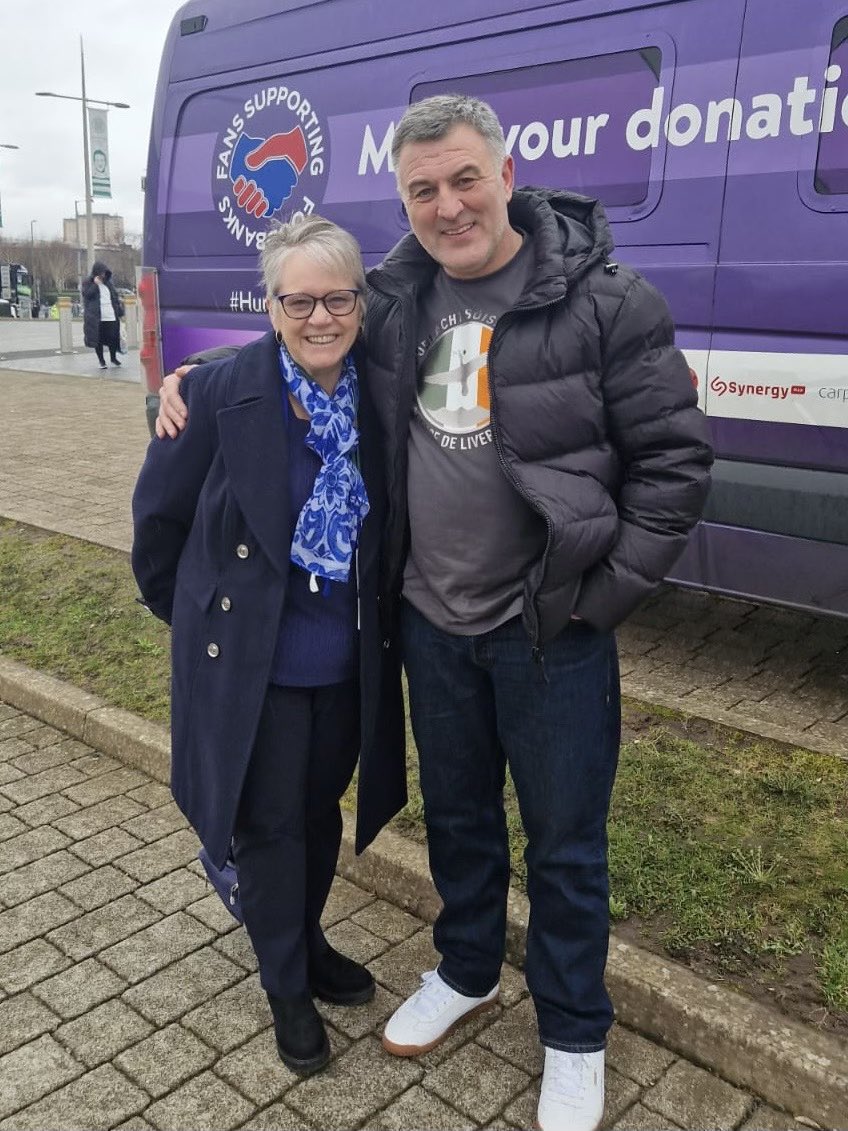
(173, 414)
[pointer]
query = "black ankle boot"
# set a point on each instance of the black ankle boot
(302, 1042)
(335, 978)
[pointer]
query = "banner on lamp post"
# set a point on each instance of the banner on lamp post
(98, 135)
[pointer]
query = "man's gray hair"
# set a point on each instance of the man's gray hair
(322, 240)
(433, 118)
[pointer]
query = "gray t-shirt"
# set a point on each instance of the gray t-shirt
(473, 537)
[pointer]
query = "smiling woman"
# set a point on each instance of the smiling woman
(257, 538)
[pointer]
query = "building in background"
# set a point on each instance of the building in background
(108, 230)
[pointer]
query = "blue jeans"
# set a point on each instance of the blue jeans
(479, 703)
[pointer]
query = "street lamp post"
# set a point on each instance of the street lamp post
(3, 145)
(35, 294)
(86, 102)
(78, 242)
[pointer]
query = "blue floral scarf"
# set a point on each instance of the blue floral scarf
(328, 526)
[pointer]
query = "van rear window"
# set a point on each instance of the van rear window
(553, 128)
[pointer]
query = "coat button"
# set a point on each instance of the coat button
(213, 650)
(226, 604)
(242, 550)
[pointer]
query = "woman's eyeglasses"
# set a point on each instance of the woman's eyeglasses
(336, 303)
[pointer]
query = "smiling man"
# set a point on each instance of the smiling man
(547, 461)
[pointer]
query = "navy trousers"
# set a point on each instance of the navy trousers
(478, 703)
(289, 825)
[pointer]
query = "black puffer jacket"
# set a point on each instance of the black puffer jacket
(594, 415)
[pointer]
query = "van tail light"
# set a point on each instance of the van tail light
(150, 334)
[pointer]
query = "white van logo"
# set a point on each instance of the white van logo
(272, 151)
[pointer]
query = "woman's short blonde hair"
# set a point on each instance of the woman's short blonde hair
(322, 240)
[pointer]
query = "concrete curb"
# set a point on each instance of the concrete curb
(790, 1065)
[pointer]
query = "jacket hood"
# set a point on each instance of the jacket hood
(101, 269)
(570, 233)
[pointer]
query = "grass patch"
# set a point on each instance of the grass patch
(726, 851)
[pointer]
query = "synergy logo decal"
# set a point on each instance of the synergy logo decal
(738, 389)
(270, 163)
(453, 397)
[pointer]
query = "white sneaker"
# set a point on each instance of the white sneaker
(433, 1011)
(572, 1096)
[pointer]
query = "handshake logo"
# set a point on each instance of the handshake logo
(271, 160)
(265, 171)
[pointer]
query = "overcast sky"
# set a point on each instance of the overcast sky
(40, 51)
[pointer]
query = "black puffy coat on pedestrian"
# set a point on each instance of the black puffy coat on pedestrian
(593, 413)
(91, 303)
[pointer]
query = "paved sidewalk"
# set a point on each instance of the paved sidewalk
(72, 449)
(129, 997)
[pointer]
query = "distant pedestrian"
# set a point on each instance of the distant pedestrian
(103, 310)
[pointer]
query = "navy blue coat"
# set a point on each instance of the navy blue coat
(211, 557)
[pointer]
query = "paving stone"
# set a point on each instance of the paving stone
(514, 1037)
(476, 1082)
(173, 892)
(151, 795)
(205, 1101)
(98, 929)
(387, 921)
(5, 804)
(349, 1091)
(29, 920)
(639, 1118)
(359, 1020)
(38, 760)
(42, 875)
(102, 1033)
(79, 988)
(344, 899)
(418, 1108)
(13, 748)
(165, 1059)
(211, 911)
(91, 763)
(400, 968)
(521, 1113)
(98, 887)
(230, 1018)
(183, 986)
(9, 773)
(30, 963)
(636, 1057)
(30, 845)
(236, 946)
(154, 860)
(256, 1070)
(10, 826)
(94, 1101)
(39, 785)
(619, 1095)
(17, 725)
(22, 1018)
(135, 1124)
(32, 1071)
(355, 941)
(766, 1118)
(696, 1098)
(105, 847)
(45, 809)
(147, 951)
(154, 824)
(95, 819)
(277, 1117)
(105, 786)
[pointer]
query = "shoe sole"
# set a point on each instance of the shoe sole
(353, 997)
(307, 1066)
(419, 1050)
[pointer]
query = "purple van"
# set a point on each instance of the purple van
(714, 131)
